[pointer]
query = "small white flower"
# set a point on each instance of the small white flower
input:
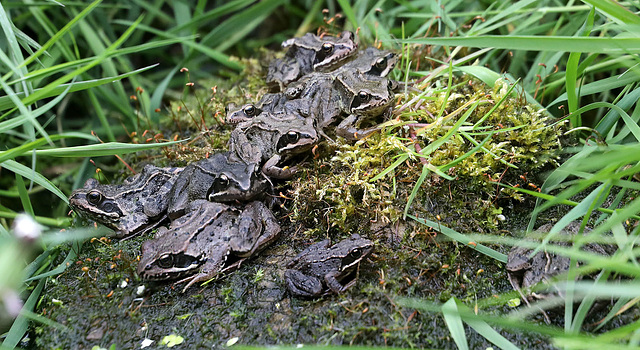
(146, 342)
(140, 290)
(26, 228)
(123, 284)
(12, 302)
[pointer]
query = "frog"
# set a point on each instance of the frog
(361, 97)
(271, 140)
(216, 179)
(279, 105)
(525, 270)
(307, 54)
(323, 103)
(371, 62)
(137, 205)
(209, 240)
(269, 102)
(321, 269)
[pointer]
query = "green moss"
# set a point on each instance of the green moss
(341, 190)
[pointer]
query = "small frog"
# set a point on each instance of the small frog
(268, 103)
(137, 205)
(216, 179)
(279, 105)
(307, 54)
(362, 97)
(321, 269)
(324, 104)
(371, 61)
(210, 239)
(525, 270)
(271, 140)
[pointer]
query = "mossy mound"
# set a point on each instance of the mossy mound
(100, 302)
(370, 182)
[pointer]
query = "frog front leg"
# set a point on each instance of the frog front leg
(301, 285)
(271, 169)
(347, 129)
(335, 285)
(217, 256)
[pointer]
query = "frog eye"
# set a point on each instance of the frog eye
(381, 63)
(250, 110)
(363, 96)
(165, 261)
(356, 253)
(220, 184)
(327, 48)
(288, 139)
(94, 197)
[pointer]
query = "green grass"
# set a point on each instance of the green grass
(69, 74)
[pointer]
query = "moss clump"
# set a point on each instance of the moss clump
(518, 139)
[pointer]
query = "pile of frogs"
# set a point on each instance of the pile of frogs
(216, 206)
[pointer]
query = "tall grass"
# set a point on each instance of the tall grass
(66, 71)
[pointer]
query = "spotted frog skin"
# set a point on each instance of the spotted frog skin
(362, 97)
(271, 140)
(210, 239)
(137, 205)
(307, 54)
(322, 268)
(216, 179)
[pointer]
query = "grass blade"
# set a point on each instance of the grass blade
(461, 238)
(5, 101)
(30, 174)
(604, 45)
(454, 323)
(101, 149)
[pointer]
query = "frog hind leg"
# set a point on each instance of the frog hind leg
(178, 195)
(301, 285)
(257, 227)
(347, 129)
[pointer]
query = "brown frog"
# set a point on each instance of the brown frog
(525, 270)
(362, 97)
(271, 140)
(371, 61)
(138, 204)
(216, 179)
(322, 268)
(307, 54)
(210, 239)
(279, 105)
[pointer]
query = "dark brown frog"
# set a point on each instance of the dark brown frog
(322, 268)
(138, 204)
(208, 240)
